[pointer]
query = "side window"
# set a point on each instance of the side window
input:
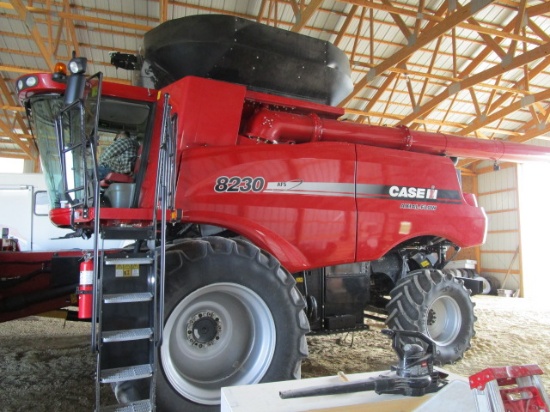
(41, 202)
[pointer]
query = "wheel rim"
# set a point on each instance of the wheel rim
(220, 335)
(444, 320)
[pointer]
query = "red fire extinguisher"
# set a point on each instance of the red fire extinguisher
(85, 288)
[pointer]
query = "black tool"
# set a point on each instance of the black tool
(412, 376)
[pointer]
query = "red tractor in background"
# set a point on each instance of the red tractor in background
(254, 214)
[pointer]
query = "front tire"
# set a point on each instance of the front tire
(438, 305)
(233, 317)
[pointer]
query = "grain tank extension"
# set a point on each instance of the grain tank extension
(255, 215)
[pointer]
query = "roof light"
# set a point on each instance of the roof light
(76, 82)
(60, 72)
(77, 65)
(60, 68)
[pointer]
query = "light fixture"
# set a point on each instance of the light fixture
(76, 82)
(60, 68)
(77, 65)
(31, 81)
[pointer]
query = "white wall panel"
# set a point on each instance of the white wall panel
(497, 193)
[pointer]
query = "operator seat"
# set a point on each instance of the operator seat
(114, 177)
(119, 188)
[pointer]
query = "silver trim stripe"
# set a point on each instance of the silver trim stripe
(364, 191)
(311, 188)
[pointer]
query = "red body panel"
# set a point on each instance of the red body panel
(320, 203)
(304, 213)
(30, 272)
(316, 203)
(307, 213)
(394, 204)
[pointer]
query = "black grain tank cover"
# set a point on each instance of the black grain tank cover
(240, 51)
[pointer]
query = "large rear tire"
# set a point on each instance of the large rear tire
(438, 305)
(233, 317)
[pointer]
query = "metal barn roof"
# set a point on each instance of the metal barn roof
(475, 68)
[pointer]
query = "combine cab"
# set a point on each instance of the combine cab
(254, 213)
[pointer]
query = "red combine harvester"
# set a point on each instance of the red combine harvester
(254, 214)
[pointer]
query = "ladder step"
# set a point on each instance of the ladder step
(126, 335)
(129, 261)
(138, 406)
(136, 233)
(126, 374)
(128, 297)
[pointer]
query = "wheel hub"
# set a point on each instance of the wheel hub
(203, 329)
(222, 334)
(444, 320)
(432, 317)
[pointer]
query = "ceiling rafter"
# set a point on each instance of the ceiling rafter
(521, 103)
(371, 4)
(520, 23)
(10, 102)
(357, 34)
(474, 101)
(306, 14)
(389, 99)
(409, 88)
(447, 112)
(273, 11)
(382, 89)
(419, 18)
(435, 18)
(296, 9)
(501, 32)
(163, 10)
(426, 37)
(492, 45)
(379, 92)
(539, 9)
(32, 27)
(471, 81)
(400, 23)
(489, 41)
(378, 95)
(344, 28)
(532, 71)
(429, 73)
(72, 31)
(17, 139)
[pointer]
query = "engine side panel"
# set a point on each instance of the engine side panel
(403, 195)
(299, 201)
(295, 201)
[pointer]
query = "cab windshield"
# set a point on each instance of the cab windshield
(115, 115)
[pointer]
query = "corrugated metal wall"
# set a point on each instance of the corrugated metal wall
(500, 255)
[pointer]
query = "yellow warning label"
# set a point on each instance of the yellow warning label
(127, 271)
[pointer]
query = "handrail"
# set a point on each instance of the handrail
(162, 192)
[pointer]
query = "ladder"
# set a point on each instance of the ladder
(127, 312)
(129, 294)
(510, 389)
(128, 286)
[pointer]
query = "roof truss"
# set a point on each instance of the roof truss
(477, 68)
